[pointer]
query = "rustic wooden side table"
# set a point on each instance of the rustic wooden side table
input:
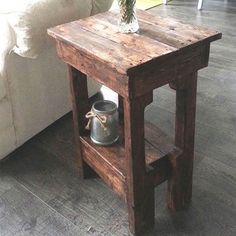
(164, 51)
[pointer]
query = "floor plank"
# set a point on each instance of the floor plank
(23, 213)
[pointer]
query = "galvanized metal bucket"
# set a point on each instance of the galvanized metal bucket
(103, 123)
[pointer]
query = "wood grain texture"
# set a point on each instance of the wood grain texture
(109, 162)
(42, 170)
(140, 192)
(95, 33)
(80, 105)
(180, 181)
(91, 204)
(96, 42)
(134, 65)
(23, 213)
(97, 70)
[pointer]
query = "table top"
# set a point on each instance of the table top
(98, 38)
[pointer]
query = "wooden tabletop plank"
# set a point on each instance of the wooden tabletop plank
(191, 33)
(98, 38)
(106, 27)
(159, 35)
(170, 28)
(116, 55)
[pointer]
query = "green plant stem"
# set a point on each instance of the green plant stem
(127, 10)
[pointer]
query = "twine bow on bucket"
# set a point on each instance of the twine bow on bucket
(102, 120)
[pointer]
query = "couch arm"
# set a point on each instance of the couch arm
(30, 19)
(101, 6)
(7, 42)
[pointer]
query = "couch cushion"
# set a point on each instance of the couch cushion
(7, 42)
(2, 89)
(7, 141)
(7, 129)
(6, 119)
(100, 6)
(31, 18)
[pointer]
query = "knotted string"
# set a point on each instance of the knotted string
(102, 119)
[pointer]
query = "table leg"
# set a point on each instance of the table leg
(121, 117)
(121, 107)
(180, 180)
(80, 106)
(140, 193)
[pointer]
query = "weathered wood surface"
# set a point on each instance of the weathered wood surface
(140, 192)
(109, 162)
(134, 65)
(169, 69)
(95, 40)
(80, 106)
(180, 180)
(59, 203)
(24, 213)
(98, 37)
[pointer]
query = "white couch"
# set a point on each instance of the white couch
(33, 86)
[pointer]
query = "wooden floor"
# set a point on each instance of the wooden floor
(40, 193)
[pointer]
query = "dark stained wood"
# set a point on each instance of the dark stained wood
(121, 106)
(140, 44)
(158, 138)
(94, 47)
(102, 48)
(109, 162)
(80, 105)
(140, 193)
(133, 66)
(41, 195)
(97, 70)
(145, 29)
(155, 75)
(190, 34)
(161, 31)
(180, 181)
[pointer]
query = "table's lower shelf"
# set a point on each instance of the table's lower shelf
(109, 162)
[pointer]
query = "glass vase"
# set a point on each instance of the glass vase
(128, 22)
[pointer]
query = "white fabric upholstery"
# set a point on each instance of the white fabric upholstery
(7, 141)
(7, 42)
(100, 6)
(31, 18)
(41, 95)
(3, 91)
(34, 92)
(7, 130)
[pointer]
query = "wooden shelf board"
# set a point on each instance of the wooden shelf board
(109, 162)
